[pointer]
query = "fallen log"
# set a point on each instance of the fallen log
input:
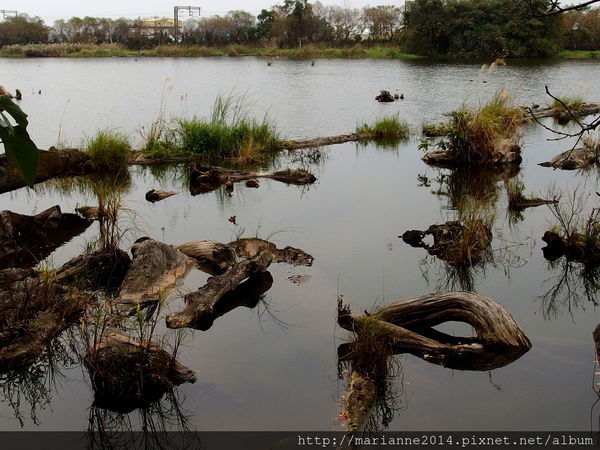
(579, 158)
(324, 141)
(33, 311)
(52, 163)
(154, 195)
(155, 268)
(26, 240)
(127, 373)
(221, 256)
(200, 305)
(563, 115)
(251, 247)
(519, 203)
(408, 326)
(208, 178)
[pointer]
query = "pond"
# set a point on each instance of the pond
(275, 367)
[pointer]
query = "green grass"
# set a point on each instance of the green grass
(385, 128)
(579, 54)
(229, 133)
(108, 150)
(571, 102)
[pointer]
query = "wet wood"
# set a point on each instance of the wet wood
(154, 195)
(33, 311)
(52, 163)
(220, 255)
(359, 401)
(201, 303)
(26, 240)
(518, 203)
(205, 178)
(560, 113)
(154, 270)
(252, 247)
(504, 151)
(102, 269)
(128, 373)
(579, 158)
(324, 141)
(408, 325)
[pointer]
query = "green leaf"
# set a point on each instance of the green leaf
(6, 104)
(21, 152)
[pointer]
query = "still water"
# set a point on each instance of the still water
(275, 367)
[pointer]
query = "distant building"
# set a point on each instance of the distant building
(157, 27)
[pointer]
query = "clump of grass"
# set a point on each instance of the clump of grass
(567, 102)
(472, 133)
(108, 150)
(229, 133)
(385, 128)
(434, 130)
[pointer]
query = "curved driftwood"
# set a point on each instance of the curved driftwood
(127, 373)
(579, 158)
(154, 269)
(26, 240)
(205, 178)
(200, 304)
(408, 324)
(52, 163)
(221, 256)
(252, 247)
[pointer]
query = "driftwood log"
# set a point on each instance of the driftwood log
(220, 256)
(408, 325)
(579, 158)
(26, 240)
(251, 247)
(200, 305)
(208, 178)
(519, 203)
(563, 115)
(127, 373)
(33, 311)
(154, 195)
(52, 163)
(155, 268)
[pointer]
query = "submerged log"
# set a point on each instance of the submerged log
(154, 195)
(454, 242)
(102, 269)
(52, 163)
(221, 256)
(127, 373)
(579, 158)
(26, 240)
(408, 325)
(208, 178)
(503, 151)
(33, 311)
(252, 247)
(519, 203)
(324, 141)
(155, 268)
(200, 304)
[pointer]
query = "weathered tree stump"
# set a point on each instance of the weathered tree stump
(25, 240)
(200, 304)
(127, 373)
(385, 97)
(503, 152)
(579, 158)
(154, 269)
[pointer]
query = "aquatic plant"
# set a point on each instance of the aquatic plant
(567, 102)
(391, 127)
(108, 150)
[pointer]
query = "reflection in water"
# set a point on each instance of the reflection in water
(572, 286)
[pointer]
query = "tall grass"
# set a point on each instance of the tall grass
(473, 132)
(567, 102)
(385, 128)
(108, 150)
(228, 133)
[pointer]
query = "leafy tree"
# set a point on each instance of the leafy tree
(23, 29)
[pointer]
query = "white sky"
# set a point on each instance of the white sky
(50, 10)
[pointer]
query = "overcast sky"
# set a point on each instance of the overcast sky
(57, 9)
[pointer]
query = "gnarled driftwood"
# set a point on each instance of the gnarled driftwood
(252, 247)
(579, 158)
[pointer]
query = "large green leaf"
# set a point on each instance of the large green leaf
(6, 104)
(21, 152)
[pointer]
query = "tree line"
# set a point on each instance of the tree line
(459, 28)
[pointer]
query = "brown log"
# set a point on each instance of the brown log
(584, 110)
(208, 178)
(155, 268)
(52, 163)
(128, 373)
(222, 256)
(252, 247)
(579, 158)
(154, 195)
(26, 240)
(324, 141)
(201, 304)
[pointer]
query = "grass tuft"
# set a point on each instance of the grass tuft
(385, 128)
(574, 102)
(108, 150)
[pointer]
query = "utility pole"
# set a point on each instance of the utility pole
(190, 10)
(6, 12)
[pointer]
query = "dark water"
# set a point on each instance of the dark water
(275, 367)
